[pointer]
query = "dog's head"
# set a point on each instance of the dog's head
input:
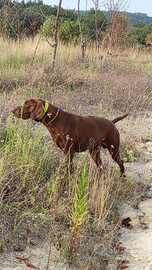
(32, 108)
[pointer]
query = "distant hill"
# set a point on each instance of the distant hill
(135, 17)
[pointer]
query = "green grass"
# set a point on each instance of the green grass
(25, 162)
(31, 165)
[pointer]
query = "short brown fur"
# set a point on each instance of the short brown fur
(73, 133)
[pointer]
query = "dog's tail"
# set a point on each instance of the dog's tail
(119, 118)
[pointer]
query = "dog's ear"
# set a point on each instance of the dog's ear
(17, 111)
(38, 110)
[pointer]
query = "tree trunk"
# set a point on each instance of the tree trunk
(96, 24)
(55, 35)
(81, 34)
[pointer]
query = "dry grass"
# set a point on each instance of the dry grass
(31, 166)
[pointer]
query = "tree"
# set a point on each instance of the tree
(141, 36)
(50, 29)
(90, 22)
(68, 14)
(47, 29)
(139, 24)
(121, 30)
(114, 7)
(80, 28)
(96, 3)
(148, 40)
(69, 32)
(55, 35)
(18, 20)
(137, 36)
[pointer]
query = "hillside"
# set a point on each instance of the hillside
(135, 17)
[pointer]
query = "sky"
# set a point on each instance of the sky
(142, 6)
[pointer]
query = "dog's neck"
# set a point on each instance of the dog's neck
(44, 113)
(49, 115)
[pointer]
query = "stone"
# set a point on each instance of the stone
(22, 266)
(148, 144)
(149, 149)
(133, 214)
(146, 206)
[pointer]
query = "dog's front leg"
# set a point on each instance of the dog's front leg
(69, 151)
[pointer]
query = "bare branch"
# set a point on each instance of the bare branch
(116, 5)
(49, 42)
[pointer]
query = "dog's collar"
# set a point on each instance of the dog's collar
(45, 110)
(57, 113)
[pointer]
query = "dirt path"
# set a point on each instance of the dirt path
(137, 240)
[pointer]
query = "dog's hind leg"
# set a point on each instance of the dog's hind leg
(95, 154)
(116, 156)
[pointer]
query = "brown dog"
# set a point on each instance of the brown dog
(73, 133)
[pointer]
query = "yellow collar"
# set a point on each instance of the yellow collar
(45, 110)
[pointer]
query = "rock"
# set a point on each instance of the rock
(146, 206)
(22, 266)
(148, 144)
(148, 221)
(149, 149)
(133, 214)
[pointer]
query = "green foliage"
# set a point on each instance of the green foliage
(79, 211)
(1, 246)
(18, 19)
(23, 148)
(139, 17)
(149, 29)
(69, 32)
(31, 22)
(47, 29)
(139, 24)
(90, 22)
(69, 15)
(138, 34)
(131, 155)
